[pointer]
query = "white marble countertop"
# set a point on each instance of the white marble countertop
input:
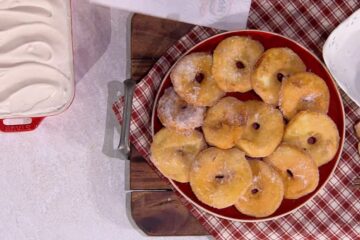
(65, 179)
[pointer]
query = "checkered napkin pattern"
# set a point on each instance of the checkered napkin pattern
(335, 212)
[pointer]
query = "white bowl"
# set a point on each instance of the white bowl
(341, 54)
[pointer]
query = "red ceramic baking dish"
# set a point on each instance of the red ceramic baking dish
(36, 62)
(336, 112)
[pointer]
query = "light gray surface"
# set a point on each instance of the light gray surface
(65, 180)
(223, 14)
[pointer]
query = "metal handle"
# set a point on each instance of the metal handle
(124, 146)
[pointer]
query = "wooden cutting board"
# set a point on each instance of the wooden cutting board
(154, 207)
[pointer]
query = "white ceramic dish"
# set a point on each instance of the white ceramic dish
(36, 62)
(341, 54)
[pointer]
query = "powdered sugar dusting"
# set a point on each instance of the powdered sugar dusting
(196, 166)
(243, 198)
(176, 113)
(184, 74)
(185, 71)
(311, 97)
(194, 93)
(303, 179)
(256, 179)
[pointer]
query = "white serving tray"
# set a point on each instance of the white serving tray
(341, 54)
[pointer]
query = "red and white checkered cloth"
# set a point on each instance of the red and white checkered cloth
(335, 212)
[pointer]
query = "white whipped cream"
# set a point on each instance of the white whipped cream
(36, 75)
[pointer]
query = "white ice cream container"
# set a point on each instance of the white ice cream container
(36, 62)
